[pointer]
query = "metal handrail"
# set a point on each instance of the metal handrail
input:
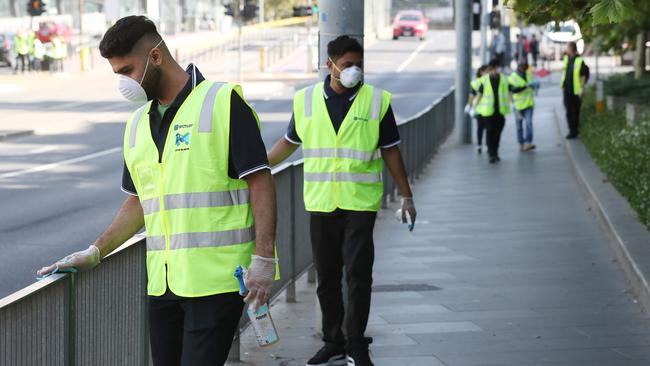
(99, 317)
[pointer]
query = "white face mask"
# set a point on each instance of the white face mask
(350, 76)
(131, 89)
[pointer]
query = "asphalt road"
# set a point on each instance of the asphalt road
(60, 188)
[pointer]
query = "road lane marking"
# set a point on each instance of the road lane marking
(51, 166)
(411, 57)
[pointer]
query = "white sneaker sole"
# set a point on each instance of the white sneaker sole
(334, 361)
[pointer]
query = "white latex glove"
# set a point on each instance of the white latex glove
(259, 280)
(468, 108)
(472, 112)
(408, 206)
(81, 261)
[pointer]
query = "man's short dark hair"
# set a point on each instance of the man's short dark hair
(481, 70)
(342, 45)
(573, 46)
(120, 39)
(494, 64)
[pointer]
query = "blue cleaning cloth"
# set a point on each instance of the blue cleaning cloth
(57, 270)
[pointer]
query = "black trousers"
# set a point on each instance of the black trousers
(494, 125)
(480, 129)
(344, 240)
(572, 105)
(193, 331)
(24, 62)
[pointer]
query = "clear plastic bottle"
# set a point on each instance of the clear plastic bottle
(261, 320)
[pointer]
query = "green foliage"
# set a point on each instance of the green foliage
(624, 85)
(612, 11)
(621, 151)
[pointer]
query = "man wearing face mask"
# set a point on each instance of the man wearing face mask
(347, 130)
(198, 178)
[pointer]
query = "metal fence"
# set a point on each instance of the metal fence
(99, 317)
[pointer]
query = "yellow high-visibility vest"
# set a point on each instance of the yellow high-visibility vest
(341, 170)
(577, 66)
(198, 220)
(526, 98)
(485, 106)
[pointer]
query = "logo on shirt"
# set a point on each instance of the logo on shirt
(178, 127)
(182, 141)
(362, 119)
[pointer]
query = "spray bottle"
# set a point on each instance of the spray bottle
(409, 220)
(261, 320)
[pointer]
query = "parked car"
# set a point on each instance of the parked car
(555, 38)
(6, 49)
(410, 23)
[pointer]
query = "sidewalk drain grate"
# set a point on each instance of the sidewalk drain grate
(405, 287)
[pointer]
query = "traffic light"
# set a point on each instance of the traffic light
(250, 10)
(495, 19)
(35, 7)
(229, 11)
(476, 15)
(302, 11)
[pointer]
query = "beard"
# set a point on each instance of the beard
(151, 83)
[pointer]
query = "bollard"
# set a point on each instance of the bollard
(600, 97)
(84, 53)
(262, 51)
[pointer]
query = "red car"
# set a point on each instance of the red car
(410, 23)
(48, 29)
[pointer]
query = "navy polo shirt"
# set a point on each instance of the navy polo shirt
(247, 153)
(338, 106)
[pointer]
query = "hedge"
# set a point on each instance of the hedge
(621, 151)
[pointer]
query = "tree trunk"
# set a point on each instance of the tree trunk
(639, 59)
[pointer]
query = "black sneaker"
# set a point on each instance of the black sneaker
(359, 357)
(329, 355)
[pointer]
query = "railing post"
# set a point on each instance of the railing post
(291, 287)
(70, 315)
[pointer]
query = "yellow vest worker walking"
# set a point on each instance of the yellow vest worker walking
(198, 180)
(493, 103)
(574, 77)
(347, 130)
(523, 96)
(480, 120)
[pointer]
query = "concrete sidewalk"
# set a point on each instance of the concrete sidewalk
(506, 266)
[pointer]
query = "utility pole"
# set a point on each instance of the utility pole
(484, 27)
(238, 17)
(260, 11)
(463, 69)
(337, 17)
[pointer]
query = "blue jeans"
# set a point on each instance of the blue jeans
(525, 135)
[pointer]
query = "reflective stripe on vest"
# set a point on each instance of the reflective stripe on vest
(341, 153)
(201, 240)
(343, 177)
(199, 221)
(196, 200)
(342, 169)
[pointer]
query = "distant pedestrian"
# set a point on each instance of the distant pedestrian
(499, 45)
(38, 54)
(494, 104)
(22, 49)
(471, 110)
(59, 52)
(574, 78)
(521, 87)
(534, 49)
